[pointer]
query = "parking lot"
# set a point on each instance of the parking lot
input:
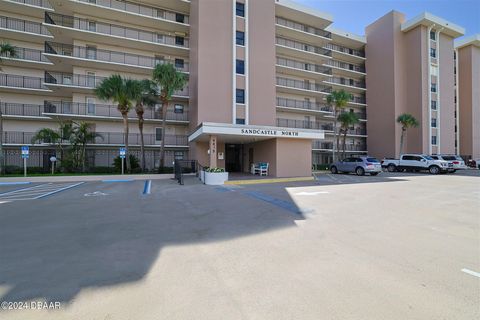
(394, 246)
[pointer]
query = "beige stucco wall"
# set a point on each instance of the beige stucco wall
(290, 166)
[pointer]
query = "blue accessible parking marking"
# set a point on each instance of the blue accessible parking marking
(287, 205)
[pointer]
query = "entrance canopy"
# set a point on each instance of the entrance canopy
(239, 133)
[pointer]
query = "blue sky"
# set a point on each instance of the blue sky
(355, 15)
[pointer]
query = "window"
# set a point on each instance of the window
(433, 52)
(433, 87)
(159, 59)
(90, 80)
(240, 98)
(178, 155)
(67, 79)
(180, 18)
(240, 121)
(90, 105)
(433, 104)
(433, 70)
(240, 67)
(434, 140)
(160, 38)
(240, 38)
(178, 108)
(179, 63)
(433, 35)
(92, 26)
(240, 7)
(179, 41)
(158, 134)
(91, 52)
(434, 123)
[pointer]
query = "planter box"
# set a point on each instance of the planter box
(215, 178)
(202, 176)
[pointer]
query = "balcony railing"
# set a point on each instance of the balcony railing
(302, 27)
(329, 146)
(347, 66)
(16, 81)
(36, 3)
(295, 64)
(300, 104)
(114, 30)
(305, 85)
(117, 138)
(304, 124)
(106, 110)
(23, 25)
(354, 52)
(27, 54)
(110, 56)
(85, 81)
(132, 7)
(322, 145)
(347, 82)
(302, 46)
(359, 99)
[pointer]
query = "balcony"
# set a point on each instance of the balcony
(68, 83)
(292, 86)
(291, 28)
(65, 28)
(303, 124)
(91, 57)
(26, 57)
(108, 138)
(301, 69)
(25, 30)
(343, 53)
(350, 84)
(352, 132)
(11, 82)
(95, 110)
(302, 105)
(345, 68)
(27, 7)
(302, 50)
(320, 145)
(358, 100)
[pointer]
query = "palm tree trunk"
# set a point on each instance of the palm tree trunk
(142, 142)
(401, 141)
(335, 141)
(125, 139)
(1, 142)
(84, 150)
(344, 140)
(164, 125)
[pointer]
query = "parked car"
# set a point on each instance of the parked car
(474, 163)
(359, 165)
(456, 161)
(416, 162)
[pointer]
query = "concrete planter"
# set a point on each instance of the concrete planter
(202, 176)
(215, 178)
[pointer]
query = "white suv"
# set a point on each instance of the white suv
(456, 161)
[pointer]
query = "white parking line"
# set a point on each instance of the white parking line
(37, 192)
(304, 193)
(472, 273)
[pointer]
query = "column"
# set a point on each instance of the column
(213, 151)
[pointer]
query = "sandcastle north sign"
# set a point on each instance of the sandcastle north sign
(271, 133)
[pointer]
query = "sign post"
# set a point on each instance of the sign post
(53, 159)
(25, 154)
(122, 157)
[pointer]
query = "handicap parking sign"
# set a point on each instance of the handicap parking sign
(122, 152)
(25, 152)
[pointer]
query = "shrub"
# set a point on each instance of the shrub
(215, 170)
(165, 170)
(134, 163)
(321, 167)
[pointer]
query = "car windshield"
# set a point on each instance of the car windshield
(428, 157)
(372, 160)
(449, 158)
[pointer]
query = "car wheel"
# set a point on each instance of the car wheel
(359, 171)
(434, 170)
(373, 173)
(334, 170)
(392, 168)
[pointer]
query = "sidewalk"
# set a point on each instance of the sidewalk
(86, 178)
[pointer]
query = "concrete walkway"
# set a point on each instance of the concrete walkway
(85, 178)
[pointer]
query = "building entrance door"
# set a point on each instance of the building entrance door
(233, 157)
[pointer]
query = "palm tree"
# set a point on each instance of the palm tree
(168, 80)
(55, 137)
(407, 121)
(8, 50)
(347, 119)
(143, 94)
(118, 89)
(82, 134)
(339, 99)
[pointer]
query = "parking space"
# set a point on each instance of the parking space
(394, 246)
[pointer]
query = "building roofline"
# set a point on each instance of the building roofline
(346, 34)
(428, 19)
(304, 9)
(473, 40)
